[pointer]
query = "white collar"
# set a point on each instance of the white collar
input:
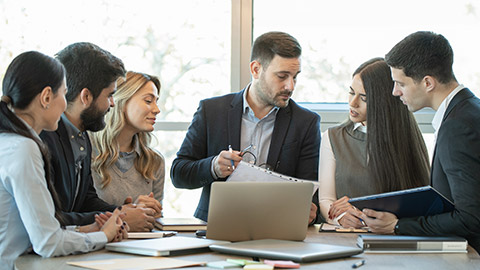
(360, 127)
(438, 118)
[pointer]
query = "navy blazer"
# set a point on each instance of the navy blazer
(455, 173)
(79, 211)
(217, 123)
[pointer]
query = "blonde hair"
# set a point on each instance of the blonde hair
(105, 141)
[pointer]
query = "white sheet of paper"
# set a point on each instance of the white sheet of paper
(135, 263)
(245, 172)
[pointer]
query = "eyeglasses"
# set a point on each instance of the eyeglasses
(249, 157)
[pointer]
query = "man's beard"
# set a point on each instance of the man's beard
(263, 91)
(93, 119)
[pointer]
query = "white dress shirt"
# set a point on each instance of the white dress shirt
(326, 174)
(27, 215)
(438, 117)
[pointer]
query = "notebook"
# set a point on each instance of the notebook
(286, 250)
(170, 246)
(242, 211)
(149, 235)
(412, 244)
(180, 224)
(421, 201)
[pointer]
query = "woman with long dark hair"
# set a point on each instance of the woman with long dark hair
(391, 156)
(33, 100)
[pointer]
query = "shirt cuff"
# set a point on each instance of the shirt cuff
(70, 228)
(212, 168)
(98, 240)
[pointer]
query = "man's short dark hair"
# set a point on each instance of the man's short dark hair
(89, 66)
(423, 53)
(270, 44)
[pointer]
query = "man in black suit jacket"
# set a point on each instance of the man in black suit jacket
(91, 74)
(291, 134)
(79, 206)
(421, 67)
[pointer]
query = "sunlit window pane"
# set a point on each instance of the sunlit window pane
(337, 36)
(186, 43)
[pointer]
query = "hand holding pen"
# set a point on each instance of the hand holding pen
(352, 219)
(347, 214)
(225, 162)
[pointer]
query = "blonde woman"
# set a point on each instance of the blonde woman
(124, 165)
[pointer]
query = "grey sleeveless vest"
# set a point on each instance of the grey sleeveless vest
(349, 146)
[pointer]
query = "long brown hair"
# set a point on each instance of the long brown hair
(25, 78)
(149, 161)
(397, 155)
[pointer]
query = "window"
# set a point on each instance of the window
(197, 47)
(185, 43)
(337, 36)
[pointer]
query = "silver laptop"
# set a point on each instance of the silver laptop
(242, 211)
(286, 250)
(169, 246)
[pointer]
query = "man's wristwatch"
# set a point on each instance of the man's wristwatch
(396, 229)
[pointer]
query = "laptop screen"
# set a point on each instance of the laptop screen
(240, 211)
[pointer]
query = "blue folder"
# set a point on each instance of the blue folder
(421, 201)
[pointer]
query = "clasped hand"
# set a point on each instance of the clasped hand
(148, 201)
(111, 224)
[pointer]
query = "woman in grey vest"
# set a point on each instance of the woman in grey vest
(391, 156)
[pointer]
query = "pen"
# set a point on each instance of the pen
(231, 151)
(361, 220)
(363, 223)
(358, 264)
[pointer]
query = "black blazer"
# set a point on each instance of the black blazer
(217, 123)
(455, 173)
(79, 211)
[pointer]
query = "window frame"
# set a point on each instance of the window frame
(241, 42)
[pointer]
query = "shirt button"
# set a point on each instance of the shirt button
(81, 148)
(73, 137)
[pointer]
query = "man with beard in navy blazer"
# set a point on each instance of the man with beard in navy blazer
(421, 67)
(282, 135)
(91, 75)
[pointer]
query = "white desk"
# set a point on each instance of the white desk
(470, 260)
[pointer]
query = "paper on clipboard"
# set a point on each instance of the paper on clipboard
(245, 172)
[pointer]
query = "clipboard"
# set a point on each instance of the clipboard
(246, 172)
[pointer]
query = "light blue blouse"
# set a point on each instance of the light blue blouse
(27, 214)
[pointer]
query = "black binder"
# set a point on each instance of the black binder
(421, 201)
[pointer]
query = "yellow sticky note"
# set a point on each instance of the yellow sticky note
(258, 267)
